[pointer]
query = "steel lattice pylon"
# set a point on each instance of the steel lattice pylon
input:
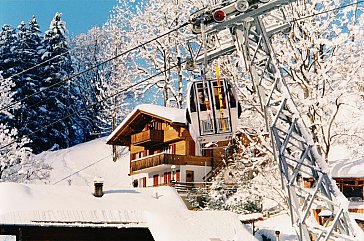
(293, 145)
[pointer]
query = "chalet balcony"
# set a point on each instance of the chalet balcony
(168, 159)
(149, 137)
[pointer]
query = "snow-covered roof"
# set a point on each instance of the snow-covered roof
(346, 168)
(160, 210)
(172, 115)
(250, 217)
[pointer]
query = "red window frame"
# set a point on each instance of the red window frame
(156, 180)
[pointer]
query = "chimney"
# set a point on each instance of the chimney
(98, 184)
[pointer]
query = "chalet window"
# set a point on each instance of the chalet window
(156, 180)
(153, 125)
(167, 177)
(190, 176)
(170, 149)
(205, 151)
(157, 125)
(144, 180)
(178, 175)
(138, 155)
(350, 189)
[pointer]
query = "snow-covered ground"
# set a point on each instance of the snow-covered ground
(80, 164)
(280, 222)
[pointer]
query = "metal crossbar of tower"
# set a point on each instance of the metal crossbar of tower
(293, 146)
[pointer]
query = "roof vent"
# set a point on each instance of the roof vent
(98, 184)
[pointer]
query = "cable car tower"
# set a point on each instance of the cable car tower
(294, 148)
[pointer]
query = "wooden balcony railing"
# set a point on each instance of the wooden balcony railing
(147, 137)
(163, 158)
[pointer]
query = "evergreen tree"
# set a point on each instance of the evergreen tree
(28, 83)
(57, 101)
(8, 61)
(8, 55)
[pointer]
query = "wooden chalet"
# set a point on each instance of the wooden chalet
(161, 147)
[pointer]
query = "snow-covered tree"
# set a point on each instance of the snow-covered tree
(17, 162)
(88, 52)
(104, 89)
(146, 21)
(249, 182)
(8, 44)
(57, 102)
(323, 80)
(8, 57)
(117, 76)
(29, 51)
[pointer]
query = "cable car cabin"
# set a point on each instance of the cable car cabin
(212, 111)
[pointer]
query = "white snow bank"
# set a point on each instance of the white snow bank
(80, 164)
(200, 225)
(279, 222)
(357, 216)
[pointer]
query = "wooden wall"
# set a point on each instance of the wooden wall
(34, 233)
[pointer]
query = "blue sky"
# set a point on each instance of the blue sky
(79, 15)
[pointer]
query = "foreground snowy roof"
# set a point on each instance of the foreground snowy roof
(346, 168)
(172, 115)
(160, 210)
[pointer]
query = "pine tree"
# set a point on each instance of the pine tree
(8, 55)
(29, 49)
(57, 101)
(8, 61)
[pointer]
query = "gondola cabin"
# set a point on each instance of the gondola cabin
(212, 111)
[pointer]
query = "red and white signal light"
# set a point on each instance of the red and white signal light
(219, 16)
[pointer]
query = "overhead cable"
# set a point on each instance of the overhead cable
(94, 66)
